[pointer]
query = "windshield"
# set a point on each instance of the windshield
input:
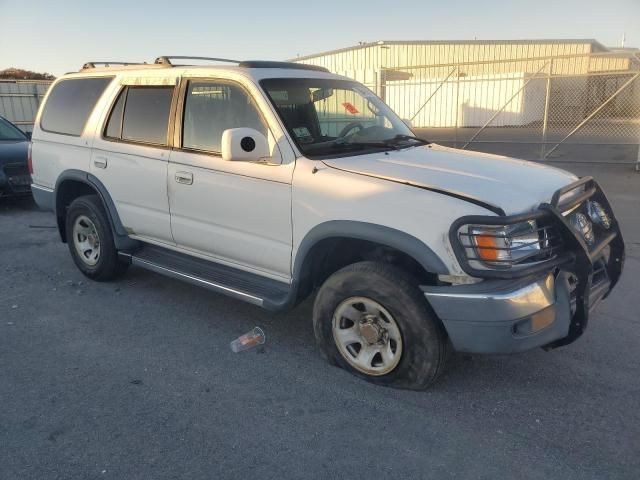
(333, 118)
(9, 132)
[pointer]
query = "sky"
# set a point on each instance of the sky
(58, 36)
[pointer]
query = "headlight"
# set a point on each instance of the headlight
(506, 245)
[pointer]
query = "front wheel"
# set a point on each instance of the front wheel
(371, 319)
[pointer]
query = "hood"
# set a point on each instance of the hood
(515, 186)
(13, 151)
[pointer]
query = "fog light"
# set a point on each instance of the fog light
(543, 318)
(598, 215)
(581, 224)
(536, 322)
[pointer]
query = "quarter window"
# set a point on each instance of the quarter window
(213, 107)
(114, 127)
(70, 103)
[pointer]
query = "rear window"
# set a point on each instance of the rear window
(9, 132)
(141, 114)
(70, 103)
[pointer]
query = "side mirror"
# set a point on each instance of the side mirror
(244, 145)
(28, 134)
(407, 122)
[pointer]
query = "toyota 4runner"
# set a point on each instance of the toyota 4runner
(270, 181)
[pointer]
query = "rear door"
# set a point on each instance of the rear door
(130, 157)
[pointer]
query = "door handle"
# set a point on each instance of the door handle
(186, 178)
(100, 161)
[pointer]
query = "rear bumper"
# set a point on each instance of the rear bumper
(504, 316)
(14, 180)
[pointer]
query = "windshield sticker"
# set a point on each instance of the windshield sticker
(348, 106)
(301, 132)
(279, 95)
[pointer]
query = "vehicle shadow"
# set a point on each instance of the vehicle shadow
(17, 204)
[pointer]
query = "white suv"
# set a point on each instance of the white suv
(268, 181)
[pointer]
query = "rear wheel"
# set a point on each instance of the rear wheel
(90, 240)
(371, 319)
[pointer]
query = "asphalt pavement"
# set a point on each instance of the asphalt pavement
(135, 380)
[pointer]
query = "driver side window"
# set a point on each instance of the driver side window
(210, 108)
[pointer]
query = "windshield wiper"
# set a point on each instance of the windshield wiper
(398, 138)
(361, 145)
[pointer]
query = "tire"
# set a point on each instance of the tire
(420, 354)
(86, 214)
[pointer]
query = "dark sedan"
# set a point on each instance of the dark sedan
(14, 150)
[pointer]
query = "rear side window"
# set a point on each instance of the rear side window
(141, 114)
(70, 103)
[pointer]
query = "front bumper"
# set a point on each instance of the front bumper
(501, 316)
(544, 308)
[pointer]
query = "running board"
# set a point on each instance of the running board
(216, 277)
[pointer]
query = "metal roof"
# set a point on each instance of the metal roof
(597, 46)
(20, 99)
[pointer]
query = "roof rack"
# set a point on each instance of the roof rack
(270, 64)
(108, 64)
(166, 59)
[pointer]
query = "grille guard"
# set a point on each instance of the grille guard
(576, 257)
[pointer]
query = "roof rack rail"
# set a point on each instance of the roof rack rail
(271, 64)
(166, 59)
(108, 64)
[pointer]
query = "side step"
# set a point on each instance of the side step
(236, 283)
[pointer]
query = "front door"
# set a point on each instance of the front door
(237, 213)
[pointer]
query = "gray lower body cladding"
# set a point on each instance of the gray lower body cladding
(44, 197)
(507, 316)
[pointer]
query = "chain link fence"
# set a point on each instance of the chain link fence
(566, 108)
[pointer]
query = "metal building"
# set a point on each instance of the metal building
(361, 62)
(20, 99)
(472, 94)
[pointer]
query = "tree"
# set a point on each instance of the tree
(20, 74)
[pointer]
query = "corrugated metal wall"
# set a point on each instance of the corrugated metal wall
(20, 99)
(412, 54)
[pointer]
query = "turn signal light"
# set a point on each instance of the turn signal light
(29, 159)
(487, 247)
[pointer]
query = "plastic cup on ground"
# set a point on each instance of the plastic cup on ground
(249, 340)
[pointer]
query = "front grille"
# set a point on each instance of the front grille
(559, 243)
